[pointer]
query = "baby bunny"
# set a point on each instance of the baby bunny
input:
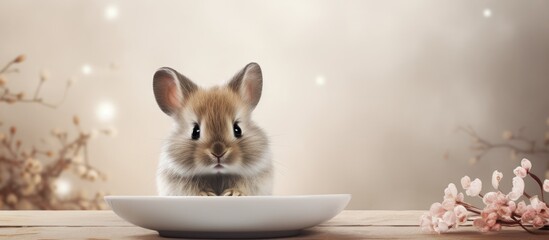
(215, 149)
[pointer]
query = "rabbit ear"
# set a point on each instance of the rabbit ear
(248, 83)
(171, 89)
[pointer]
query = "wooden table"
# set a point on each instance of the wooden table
(97, 225)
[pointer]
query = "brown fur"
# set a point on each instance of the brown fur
(187, 167)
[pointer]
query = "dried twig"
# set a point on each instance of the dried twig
(28, 176)
(10, 97)
(516, 142)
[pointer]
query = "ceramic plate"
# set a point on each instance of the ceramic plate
(228, 217)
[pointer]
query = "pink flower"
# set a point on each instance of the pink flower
(474, 188)
(451, 193)
(521, 208)
(489, 198)
(538, 222)
(432, 224)
(426, 223)
(536, 213)
(483, 226)
(496, 178)
(507, 211)
(448, 204)
(520, 172)
(446, 215)
(517, 190)
(526, 164)
(491, 218)
(449, 218)
(471, 188)
(539, 206)
(465, 182)
(531, 217)
(528, 215)
(440, 226)
(497, 206)
(455, 217)
(436, 210)
(461, 215)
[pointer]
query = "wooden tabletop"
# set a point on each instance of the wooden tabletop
(99, 225)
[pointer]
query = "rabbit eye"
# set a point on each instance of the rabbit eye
(237, 131)
(196, 132)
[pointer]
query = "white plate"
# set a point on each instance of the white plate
(228, 217)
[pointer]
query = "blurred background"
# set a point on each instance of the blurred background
(360, 97)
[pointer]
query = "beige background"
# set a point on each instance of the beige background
(360, 97)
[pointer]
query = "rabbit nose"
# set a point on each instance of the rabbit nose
(218, 149)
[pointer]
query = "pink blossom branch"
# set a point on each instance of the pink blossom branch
(522, 226)
(474, 210)
(470, 207)
(500, 209)
(536, 178)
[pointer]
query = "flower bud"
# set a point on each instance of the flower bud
(526, 164)
(44, 75)
(496, 178)
(81, 170)
(520, 172)
(19, 58)
(76, 120)
(3, 80)
(78, 159)
(92, 175)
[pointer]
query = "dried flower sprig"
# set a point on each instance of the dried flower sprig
(30, 175)
(500, 209)
(10, 97)
(515, 141)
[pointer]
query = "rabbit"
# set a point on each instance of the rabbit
(215, 149)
